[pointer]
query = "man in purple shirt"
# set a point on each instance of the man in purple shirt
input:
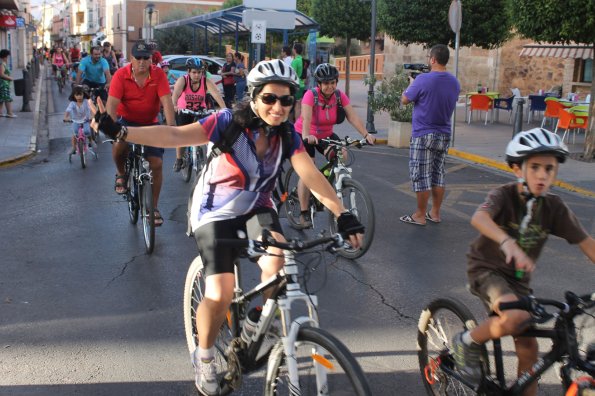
(434, 96)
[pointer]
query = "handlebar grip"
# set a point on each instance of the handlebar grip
(524, 304)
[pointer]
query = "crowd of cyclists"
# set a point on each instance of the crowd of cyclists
(257, 109)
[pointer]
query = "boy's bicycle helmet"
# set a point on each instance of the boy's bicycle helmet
(164, 63)
(194, 63)
(326, 72)
(271, 71)
(532, 142)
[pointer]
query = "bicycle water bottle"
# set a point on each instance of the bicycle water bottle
(250, 323)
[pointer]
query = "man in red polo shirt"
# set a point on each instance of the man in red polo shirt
(136, 93)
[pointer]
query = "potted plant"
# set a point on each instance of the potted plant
(387, 97)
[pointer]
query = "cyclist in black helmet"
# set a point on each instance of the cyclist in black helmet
(514, 223)
(322, 108)
(237, 187)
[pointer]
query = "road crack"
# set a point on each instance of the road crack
(124, 268)
(383, 300)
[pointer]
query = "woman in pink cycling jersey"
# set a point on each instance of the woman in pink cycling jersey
(59, 59)
(190, 92)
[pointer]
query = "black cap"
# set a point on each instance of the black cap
(141, 49)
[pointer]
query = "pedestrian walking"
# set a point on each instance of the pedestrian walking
(5, 79)
(229, 84)
(240, 76)
(434, 96)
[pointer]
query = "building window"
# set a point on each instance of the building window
(583, 70)
(90, 21)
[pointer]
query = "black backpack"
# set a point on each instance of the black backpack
(340, 109)
(225, 145)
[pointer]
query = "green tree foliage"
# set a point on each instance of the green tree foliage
(177, 40)
(231, 3)
(349, 19)
(485, 23)
(559, 22)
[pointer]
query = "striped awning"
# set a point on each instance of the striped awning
(558, 51)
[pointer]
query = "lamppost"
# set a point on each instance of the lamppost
(370, 114)
(150, 8)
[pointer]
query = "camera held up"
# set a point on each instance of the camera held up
(416, 68)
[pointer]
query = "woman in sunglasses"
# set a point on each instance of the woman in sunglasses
(321, 110)
(236, 188)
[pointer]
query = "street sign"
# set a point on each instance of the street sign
(259, 32)
(274, 19)
(8, 21)
(455, 16)
(20, 22)
(272, 4)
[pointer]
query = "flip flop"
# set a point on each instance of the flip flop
(408, 219)
(429, 218)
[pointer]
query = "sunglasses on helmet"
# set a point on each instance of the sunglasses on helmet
(271, 99)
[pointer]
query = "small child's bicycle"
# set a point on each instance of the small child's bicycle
(445, 317)
(82, 145)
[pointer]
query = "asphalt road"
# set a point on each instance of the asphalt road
(83, 309)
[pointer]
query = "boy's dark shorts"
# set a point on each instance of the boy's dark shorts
(489, 286)
(220, 259)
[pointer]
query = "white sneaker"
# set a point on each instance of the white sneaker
(205, 375)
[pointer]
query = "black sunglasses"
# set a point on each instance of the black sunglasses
(142, 57)
(271, 99)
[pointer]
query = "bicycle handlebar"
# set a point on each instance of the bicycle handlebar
(256, 248)
(346, 143)
(200, 113)
(574, 305)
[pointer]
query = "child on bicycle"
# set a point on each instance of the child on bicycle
(79, 112)
(514, 223)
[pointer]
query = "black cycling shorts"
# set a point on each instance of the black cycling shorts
(320, 147)
(220, 260)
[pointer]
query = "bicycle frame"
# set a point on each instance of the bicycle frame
(139, 167)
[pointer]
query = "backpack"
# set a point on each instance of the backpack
(305, 66)
(225, 145)
(340, 109)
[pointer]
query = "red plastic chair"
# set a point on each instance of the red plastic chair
(552, 108)
(481, 103)
(568, 121)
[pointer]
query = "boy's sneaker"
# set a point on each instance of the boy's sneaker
(178, 164)
(467, 358)
(305, 219)
(205, 375)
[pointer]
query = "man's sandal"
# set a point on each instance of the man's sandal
(121, 185)
(157, 217)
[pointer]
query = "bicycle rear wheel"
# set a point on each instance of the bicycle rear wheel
(80, 146)
(148, 214)
(194, 289)
(292, 204)
(356, 199)
(325, 366)
(187, 165)
(438, 324)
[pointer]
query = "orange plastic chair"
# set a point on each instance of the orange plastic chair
(482, 103)
(568, 121)
(552, 108)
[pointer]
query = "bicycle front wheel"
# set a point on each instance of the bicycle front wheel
(356, 199)
(292, 204)
(325, 366)
(200, 159)
(132, 194)
(187, 165)
(438, 324)
(148, 214)
(194, 289)
(80, 145)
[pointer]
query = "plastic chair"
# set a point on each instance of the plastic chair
(570, 121)
(537, 103)
(504, 104)
(552, 108)
(482, 103)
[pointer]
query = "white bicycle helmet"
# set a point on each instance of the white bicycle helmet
(271, 71)
(532, 142)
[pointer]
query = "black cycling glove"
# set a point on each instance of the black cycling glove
(108, 126)
(348, 224)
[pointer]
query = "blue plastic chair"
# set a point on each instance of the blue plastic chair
(504, 104)
(537, 103)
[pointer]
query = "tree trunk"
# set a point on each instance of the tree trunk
(347, 62)
(590, 132)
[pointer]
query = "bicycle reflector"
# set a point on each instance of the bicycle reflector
(582, 386)
(322, 361)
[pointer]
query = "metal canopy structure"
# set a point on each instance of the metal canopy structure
(229, 21)
(577, 51)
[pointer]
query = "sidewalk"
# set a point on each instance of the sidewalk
(475, 142)
(18, 136)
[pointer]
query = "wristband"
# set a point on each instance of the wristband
(123, 134)
(504, 241)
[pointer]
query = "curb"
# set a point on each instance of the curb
(503, 167)
(27, 155)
